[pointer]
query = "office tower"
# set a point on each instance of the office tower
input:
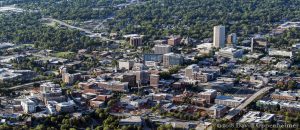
(219, 36)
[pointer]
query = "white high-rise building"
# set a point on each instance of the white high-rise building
(219, 36)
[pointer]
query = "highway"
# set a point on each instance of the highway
(88, 32)
(237, 110)
(68, 25)
(23, 86)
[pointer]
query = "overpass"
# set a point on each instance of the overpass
(68, 25)
(28, 85)
(253, 97)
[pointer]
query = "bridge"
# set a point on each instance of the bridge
(28, 85)
(238, 109)
(68, 25)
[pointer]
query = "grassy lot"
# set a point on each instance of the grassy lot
(67, 55)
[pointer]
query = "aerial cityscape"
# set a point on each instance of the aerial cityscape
(149, 64)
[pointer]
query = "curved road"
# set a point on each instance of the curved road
(68, 25)
(237, 110)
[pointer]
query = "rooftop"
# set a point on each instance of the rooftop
(229, 98)
(217, 107)
(131, 119)
(208, 92)
(256, 117)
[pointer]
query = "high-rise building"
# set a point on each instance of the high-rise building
(219, 36)
(162, 49)
(232, 39)
(136, 41)
(154, 80)
(172, 59)
(190, 70)
(142, 76)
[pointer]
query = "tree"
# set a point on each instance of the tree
(165, 75)
(291, 84)
(53, 119)
(111, 102)
(114, 63)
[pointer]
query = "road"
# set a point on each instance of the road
(88, 32)
(69, 26)
(28, 84)
(237, 110)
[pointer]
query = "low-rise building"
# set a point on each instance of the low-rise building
(133, 120)
(230, 52)
(51, 92)
(136, 41)
(283, 64)
(9, 75)
(28, 106)
(174, 41)
(172, 59)
(153, 57)
(229, 101)
(285, 95)
(209, 95)
(99, 101)
(65, 107)
(162, 49)
(71, 78)
(217, 111)
(114, 86)
(256, 117)
(205, 48)
(231, 39)
(283, 53)
(130, 78)
(127, 65)
(193, 72)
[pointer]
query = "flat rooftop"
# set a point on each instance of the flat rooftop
(231, 99)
